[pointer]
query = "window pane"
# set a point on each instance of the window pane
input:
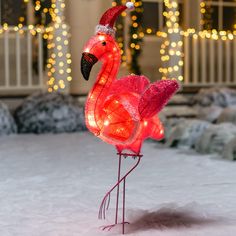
(181, 15)
(151, 16)
(229, 18)
(210, 18)
(13, 12)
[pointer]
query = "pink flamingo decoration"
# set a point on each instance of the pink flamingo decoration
(121, 112)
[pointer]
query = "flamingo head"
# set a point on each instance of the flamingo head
(103, 46)
(100, 47)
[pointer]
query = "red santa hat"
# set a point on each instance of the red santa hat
(106, 24)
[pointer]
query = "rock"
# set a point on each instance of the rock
(162, 117)
(209, 114)
(169, 124)
(186, 133)
(180, 111)
(215, 138)
(49, 113)
(229, 151)
(228, 115)
(7, 123)
(222, 97)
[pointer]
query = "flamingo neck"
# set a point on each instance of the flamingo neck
(100, 91)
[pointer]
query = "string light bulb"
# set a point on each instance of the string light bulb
(59, 62)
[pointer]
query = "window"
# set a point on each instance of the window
(153, 19)
(12, 12)
(218, 14)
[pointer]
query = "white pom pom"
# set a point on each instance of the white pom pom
(129, 5)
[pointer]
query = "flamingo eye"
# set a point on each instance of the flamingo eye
(104, 43)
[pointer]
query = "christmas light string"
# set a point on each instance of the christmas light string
(171, 49)
(120, 31)
(174, 49)
(136, 37)
(56, 36)
(59, 62)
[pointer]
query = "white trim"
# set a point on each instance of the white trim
(19, 38)
(7, 58)
(0, 12)
(18, 60)
(29, 58)
(40, 59)
(227, 61)
(105, 29)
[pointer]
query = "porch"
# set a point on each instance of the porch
(208, 58)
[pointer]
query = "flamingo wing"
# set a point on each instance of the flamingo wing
(156, 96)
(130, 84)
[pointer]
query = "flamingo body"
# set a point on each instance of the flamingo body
(122, 112)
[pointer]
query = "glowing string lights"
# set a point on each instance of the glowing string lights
(120, 31)
(136, 37)
(171, 48)
(59, 69)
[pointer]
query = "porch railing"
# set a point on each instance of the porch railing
(21, 61)
(209, 62)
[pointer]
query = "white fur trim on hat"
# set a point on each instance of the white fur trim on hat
(105, 29)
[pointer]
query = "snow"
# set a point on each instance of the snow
(229, 151)
(52, 185)
(217, 96)
(7, 123)
(215, 137)
(210, 113)
(49, 113)
(186, 133)
(228, 115)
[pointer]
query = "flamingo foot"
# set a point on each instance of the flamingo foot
(110, 227)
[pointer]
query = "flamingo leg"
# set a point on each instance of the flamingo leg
(118, 189)
(104, 205)
(123, 219)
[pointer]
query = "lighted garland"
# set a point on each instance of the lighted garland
(120, 30)
(43, 18)
(171, 50)
(59, 69)
(55, 39)
(136, 37)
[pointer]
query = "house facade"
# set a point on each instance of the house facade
(205, 32)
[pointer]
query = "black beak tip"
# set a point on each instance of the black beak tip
(87, 62)
(86, 77)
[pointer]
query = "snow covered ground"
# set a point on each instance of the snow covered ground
(52, 185)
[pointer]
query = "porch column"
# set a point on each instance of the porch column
(60, 58)
(174, 44)
(30, 13)
(192, 14)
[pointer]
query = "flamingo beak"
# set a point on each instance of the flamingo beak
(87, 62)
